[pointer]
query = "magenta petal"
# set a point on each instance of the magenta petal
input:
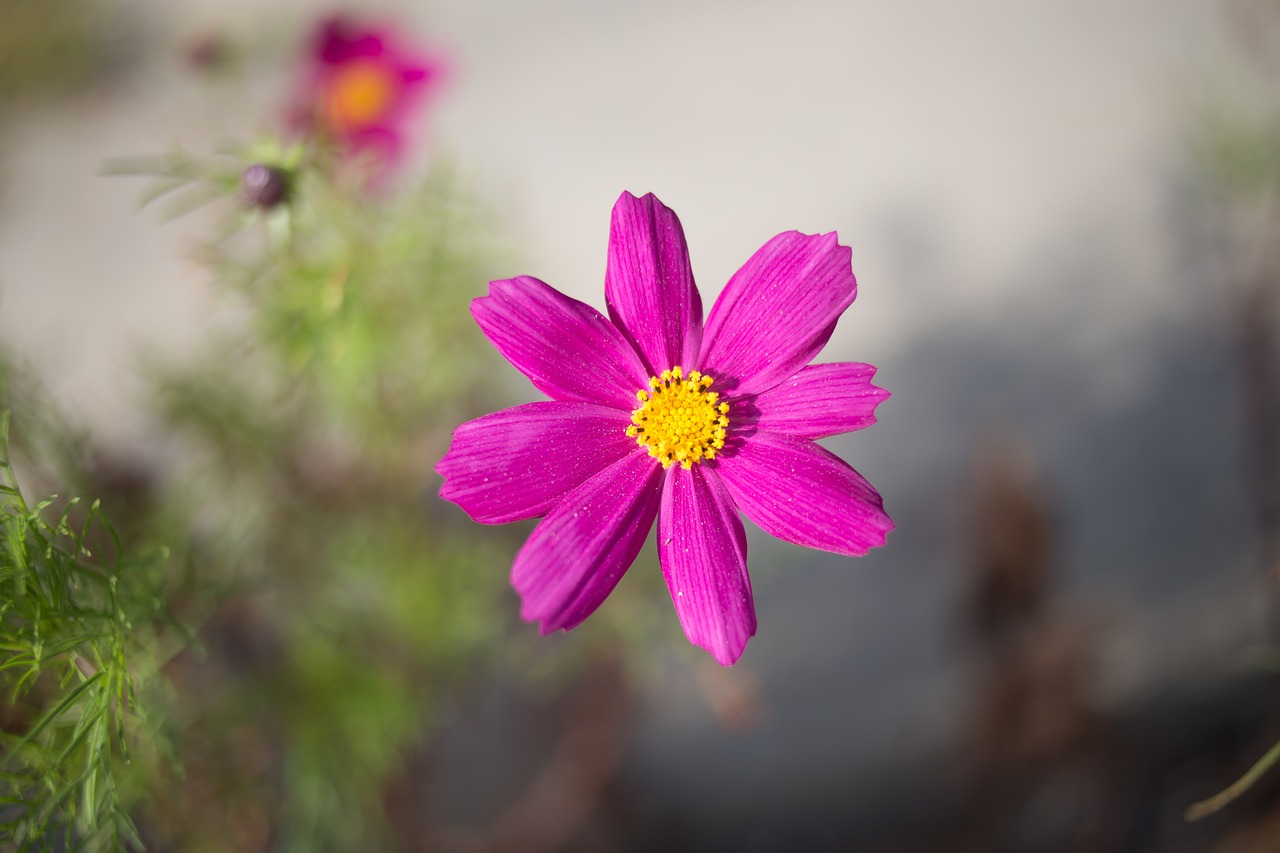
(778, 311)
(566, 348)
(578, 553)
(520, 462)
(799, 492)
(703, 551)
(821, 400)
(648, 284)
(339, 40)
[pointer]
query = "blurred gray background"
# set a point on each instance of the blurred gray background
(1040, 286)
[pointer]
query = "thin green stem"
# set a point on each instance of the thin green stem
(1204, 808)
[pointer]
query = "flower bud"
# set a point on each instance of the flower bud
(264, 186)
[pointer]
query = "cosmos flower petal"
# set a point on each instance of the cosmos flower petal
(579, 552)
(731, 411)
(648, 284)
(566, 348)
(820, 400)
(338, 41)
(799, 492)
(703, 551)
(778, 311)
(520, 462)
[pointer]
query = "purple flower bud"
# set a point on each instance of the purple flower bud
(264, 186)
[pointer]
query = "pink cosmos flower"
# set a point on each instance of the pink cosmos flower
(658, 415)
(361, 87)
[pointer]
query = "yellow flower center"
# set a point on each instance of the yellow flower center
(359, 95)
(679, 420)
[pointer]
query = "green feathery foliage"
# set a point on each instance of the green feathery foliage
(352, 601)
(78, 623)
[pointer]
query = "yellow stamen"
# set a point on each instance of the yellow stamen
(679, 420)
(359, 94)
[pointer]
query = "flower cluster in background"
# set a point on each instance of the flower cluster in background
(361, 88)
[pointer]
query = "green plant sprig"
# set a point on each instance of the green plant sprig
(76, 646)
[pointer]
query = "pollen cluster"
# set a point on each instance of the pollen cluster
(679, 420)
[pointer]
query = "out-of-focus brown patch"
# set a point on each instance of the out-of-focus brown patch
(735, 695)
(573, 782)
(1012, 543)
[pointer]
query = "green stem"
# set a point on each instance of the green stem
(1204, 808)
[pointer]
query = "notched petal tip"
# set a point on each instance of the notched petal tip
(884, 525)
(800, 492)
(480, 305)
(820, 400)
(727, 659)
(628, 198)
(500, 287)
(545, 628)
(876, 396)
(875, 526)
(779, 309)
(728, 653)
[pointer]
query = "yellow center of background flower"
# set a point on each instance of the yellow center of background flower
(679, 420)
(359, 95)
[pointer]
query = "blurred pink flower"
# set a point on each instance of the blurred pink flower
(658, 415)
(361, 87)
